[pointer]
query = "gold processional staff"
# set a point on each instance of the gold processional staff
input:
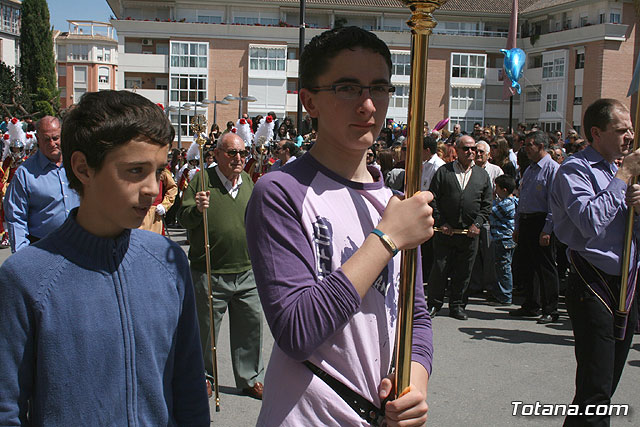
(199, 127)
(421, 24)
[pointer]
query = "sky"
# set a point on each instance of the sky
(61, 10)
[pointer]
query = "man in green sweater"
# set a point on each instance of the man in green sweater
(228, 191)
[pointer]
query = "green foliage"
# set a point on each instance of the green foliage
(12, 100)
(37, 64)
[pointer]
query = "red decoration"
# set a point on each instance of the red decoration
(6, 136)
(14, 120)
(243, 121)
(160, 105)
(234, 130)
(269, 119)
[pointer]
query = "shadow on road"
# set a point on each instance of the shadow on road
(516, 336)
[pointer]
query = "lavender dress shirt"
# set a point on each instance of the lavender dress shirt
(535, 189)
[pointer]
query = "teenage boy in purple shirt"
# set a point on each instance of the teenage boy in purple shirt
(327, 283)
(590, 199)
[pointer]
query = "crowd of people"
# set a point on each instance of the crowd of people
(304, 227)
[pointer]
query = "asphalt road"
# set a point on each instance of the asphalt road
(480, 367)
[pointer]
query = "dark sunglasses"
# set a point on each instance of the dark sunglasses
(468, 148)
(233, 153)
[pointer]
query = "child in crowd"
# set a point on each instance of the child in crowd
(502, 222)
(97, 320)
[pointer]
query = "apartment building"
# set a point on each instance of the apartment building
(187, 51)
(10, 33)
(86, 59)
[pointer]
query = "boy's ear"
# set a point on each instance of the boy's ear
(80, 167)
(307, 99)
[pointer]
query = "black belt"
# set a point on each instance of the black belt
(532, 215)
(365, 409)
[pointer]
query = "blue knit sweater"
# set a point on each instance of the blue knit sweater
(100, 331)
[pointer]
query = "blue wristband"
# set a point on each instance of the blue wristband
(386, 240)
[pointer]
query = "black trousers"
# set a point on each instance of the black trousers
(539, 276)
(599, 356)
(453, 257)
(483, 274)
(426, 251)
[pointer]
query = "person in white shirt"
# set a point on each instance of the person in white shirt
(482, 160)
(431, 160)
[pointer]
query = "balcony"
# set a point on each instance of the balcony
(144, 63)
(589, 33)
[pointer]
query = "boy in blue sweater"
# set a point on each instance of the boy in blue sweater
(502, 223)
(97, 320)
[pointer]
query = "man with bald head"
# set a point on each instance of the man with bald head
(39, 199)
(461, 205)
(234, 287)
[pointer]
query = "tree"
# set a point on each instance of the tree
(37, 64)
(12, 101)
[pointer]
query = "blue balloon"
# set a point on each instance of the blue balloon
(513, 65)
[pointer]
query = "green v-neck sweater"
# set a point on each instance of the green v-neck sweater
(227, 234)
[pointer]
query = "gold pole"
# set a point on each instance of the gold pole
(198, 126)
(421, 24)
(621, 313)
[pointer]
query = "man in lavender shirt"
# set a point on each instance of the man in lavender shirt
(328, 282)
(590, 212)
(534, 227)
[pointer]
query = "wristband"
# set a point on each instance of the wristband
(386, 240)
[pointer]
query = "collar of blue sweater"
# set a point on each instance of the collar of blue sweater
(86, 249)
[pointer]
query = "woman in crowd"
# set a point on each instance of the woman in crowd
(500, 156)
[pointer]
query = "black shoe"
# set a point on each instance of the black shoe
(548, 318)
(432, 311)
(523, 312)
(458, 313)
(497, 303)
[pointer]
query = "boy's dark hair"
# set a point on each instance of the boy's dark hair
(317, 54)
(430, 142)
(104, 120)
(507, 182)
(294, 150)
(539, 138)
(600, 114)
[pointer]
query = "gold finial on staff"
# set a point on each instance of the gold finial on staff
(621, 314)
(421, 24)
(199, 127)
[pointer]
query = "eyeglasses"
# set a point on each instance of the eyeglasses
(480, 151)
(350, 91)
(463, 148)
(369, 154)
(233, 153)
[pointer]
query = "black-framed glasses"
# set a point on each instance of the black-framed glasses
(369, 154)
(233, 153)
(463, 148)
(350, 91)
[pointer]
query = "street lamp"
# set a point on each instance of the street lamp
(240, 98)
(179, 108)
(215, 103)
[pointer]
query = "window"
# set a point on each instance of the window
(468, 65)
(189, 55)
(132, 82)
(466, 99)
(400, 99)
(553, 68)
(62, 53)
(78, 93)
(62, 70)
(253, 20)
(552, 103)
(267, 58)
(103, 75)
(577, 95)
(80, 75)
(535, 61)
(103, 54)
(63, 92)
(208, 19)
(602, 17)
(80, 52)
(533, 94)
(551, 126)
(466, 123)
(615, 16)
(188, 87)
(401, 64)
(579, 60)
(584, 20)
(9, 19)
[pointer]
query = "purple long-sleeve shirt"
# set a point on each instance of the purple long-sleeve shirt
(589, 209)
(303, 223)
(535, 190)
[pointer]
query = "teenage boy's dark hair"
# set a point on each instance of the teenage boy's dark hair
(507, 182)
(102, 121)
(430, 142)
(316, 55)
(600, 114)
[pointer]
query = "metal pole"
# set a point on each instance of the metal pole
(300, 48)
(179, 126)
(240, 103)
(201, 141)
(621, 314)
(510, 114)
(421, 24)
